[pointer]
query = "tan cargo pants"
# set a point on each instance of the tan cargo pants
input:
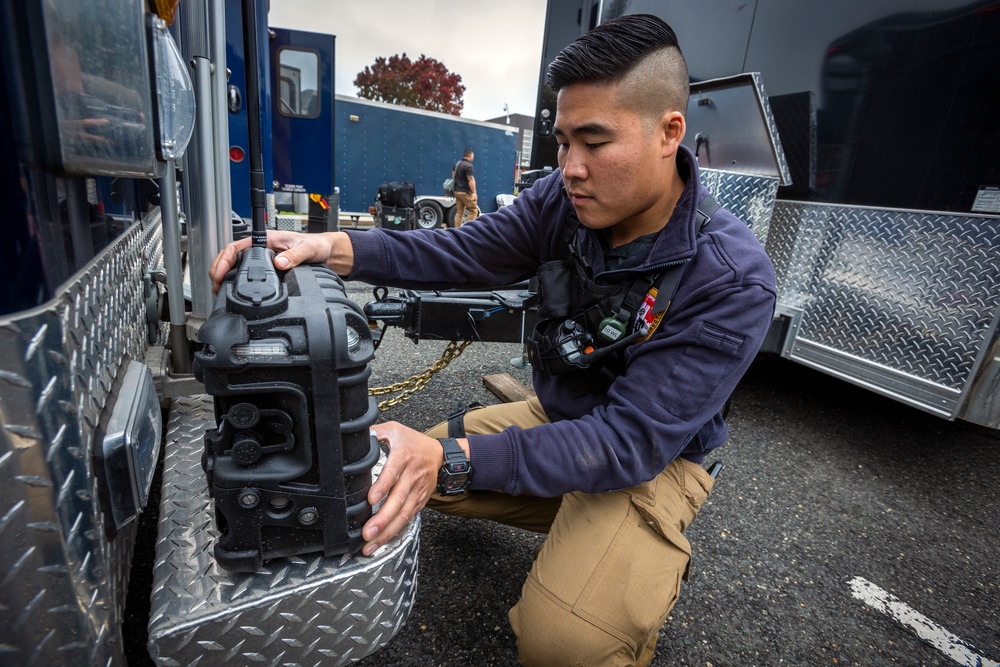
(610, 569)
(465, 204)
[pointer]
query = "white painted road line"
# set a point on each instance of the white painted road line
(951, 645)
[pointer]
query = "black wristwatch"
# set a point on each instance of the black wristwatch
(456, 473)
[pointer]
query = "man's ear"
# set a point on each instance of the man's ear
(671, 129)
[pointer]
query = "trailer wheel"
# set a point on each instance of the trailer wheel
(429, 215)
(450, 217)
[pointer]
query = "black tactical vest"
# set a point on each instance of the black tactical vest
(584, 327)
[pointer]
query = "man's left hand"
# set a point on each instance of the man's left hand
(406, 482)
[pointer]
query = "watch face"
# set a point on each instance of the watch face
(455, 482)
(452, 483)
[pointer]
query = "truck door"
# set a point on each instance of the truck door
(302, 128)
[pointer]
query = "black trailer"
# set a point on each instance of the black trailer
(886, 232)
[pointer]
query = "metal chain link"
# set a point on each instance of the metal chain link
(415, 383)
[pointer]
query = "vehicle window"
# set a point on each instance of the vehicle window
(299, 83)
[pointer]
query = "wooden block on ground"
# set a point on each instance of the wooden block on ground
(506, 388)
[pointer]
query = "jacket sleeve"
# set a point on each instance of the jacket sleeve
(674, 384)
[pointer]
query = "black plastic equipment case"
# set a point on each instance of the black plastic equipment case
(401, 194)
(286, 358)
(397, 217)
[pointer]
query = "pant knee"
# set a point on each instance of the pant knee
(550, 634)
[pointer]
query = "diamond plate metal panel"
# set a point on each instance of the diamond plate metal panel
(307, 611)
(291, 222)
(784, 172)
(62, 582)
(913, 293)
(751, 198)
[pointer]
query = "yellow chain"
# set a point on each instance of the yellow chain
(415, 383)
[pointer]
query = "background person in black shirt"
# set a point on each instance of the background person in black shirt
(465, 189)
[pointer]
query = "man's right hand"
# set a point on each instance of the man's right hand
(292, 248)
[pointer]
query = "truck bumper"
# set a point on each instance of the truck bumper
(308, 610)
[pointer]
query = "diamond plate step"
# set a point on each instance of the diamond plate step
(303, 610)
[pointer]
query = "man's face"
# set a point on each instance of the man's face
(616, 168)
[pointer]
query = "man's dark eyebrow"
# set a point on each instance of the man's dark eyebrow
(586, 128)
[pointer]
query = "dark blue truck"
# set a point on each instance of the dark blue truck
(123, 126)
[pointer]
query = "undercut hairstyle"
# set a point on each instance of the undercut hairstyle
(639, 53)
(467, 152)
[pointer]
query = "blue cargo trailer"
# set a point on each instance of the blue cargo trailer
(379, 143)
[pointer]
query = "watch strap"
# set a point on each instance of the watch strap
(453, 452)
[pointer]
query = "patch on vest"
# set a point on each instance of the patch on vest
(645, 317)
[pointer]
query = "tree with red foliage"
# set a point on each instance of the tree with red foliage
(425, 84)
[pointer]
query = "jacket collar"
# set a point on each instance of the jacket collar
(677, 240)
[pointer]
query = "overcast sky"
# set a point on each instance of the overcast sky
(497, 50)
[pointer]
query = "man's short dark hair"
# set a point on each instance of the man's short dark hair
(467, 152)
(639, 52)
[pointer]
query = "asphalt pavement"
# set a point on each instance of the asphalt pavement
(844, 529)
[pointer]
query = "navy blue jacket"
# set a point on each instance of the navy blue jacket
(668, 402)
